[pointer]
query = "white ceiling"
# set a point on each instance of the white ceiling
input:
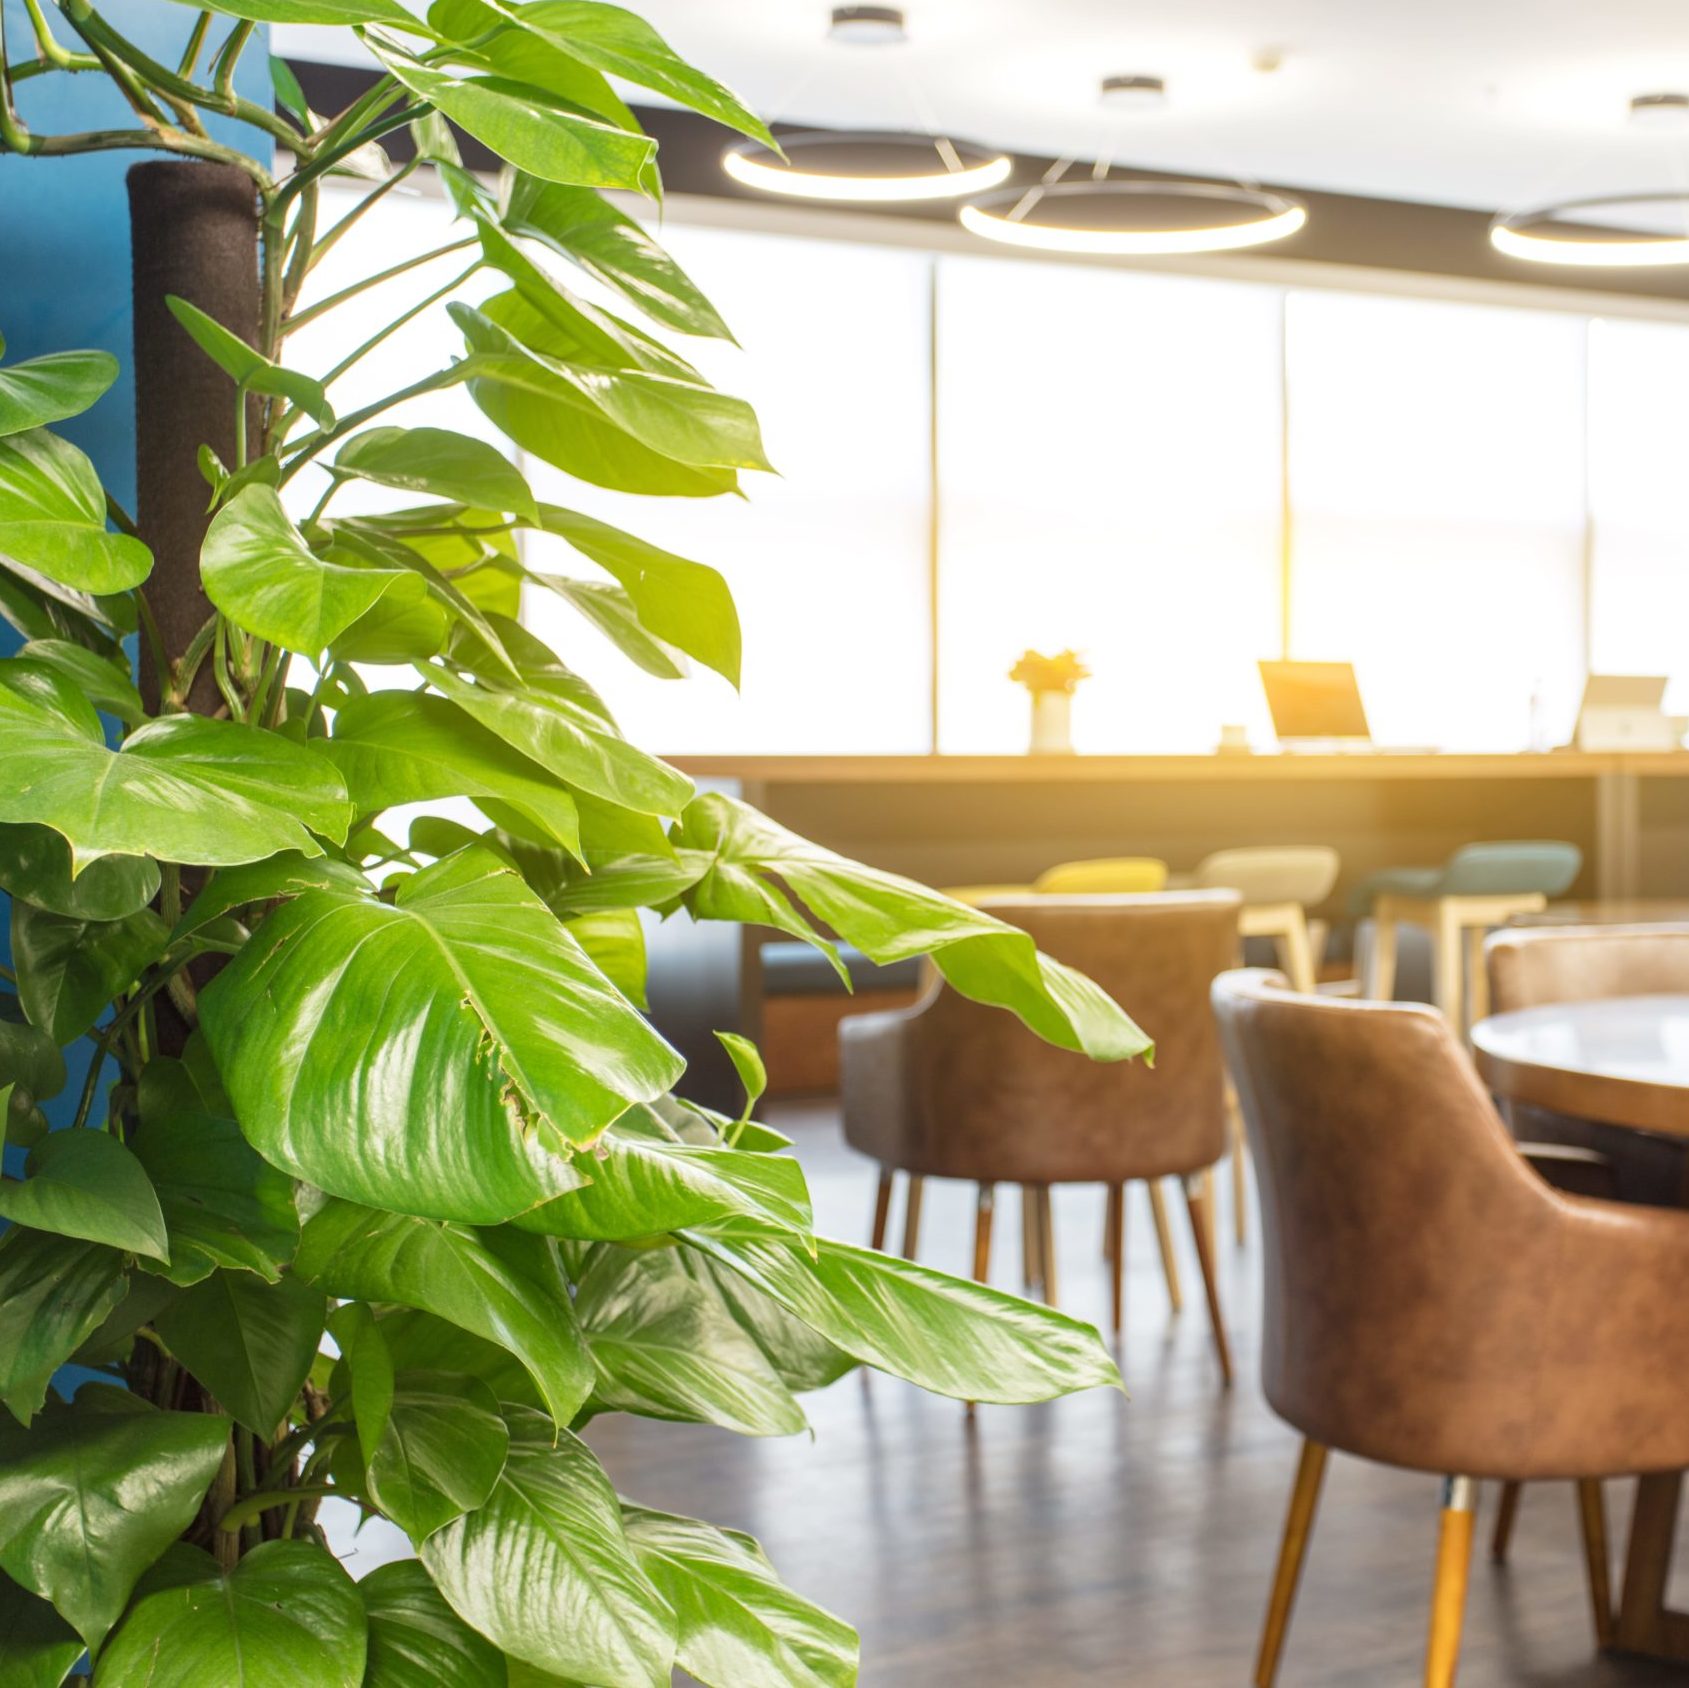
(1482, 103)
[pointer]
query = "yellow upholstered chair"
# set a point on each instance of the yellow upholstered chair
(1132, 875)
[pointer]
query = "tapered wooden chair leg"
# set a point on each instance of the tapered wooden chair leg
(1507, 1509)
(984, 1211)
(1592, 1516)
(1164, 1241)
(1448, 1592)
(1298, 1529)
(1047, 1240)
(912, 1216)
(882, 1207)
(1117, 1255)
(1031, 1240)
(1198, 1196)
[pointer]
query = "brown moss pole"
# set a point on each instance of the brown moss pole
(194, 233)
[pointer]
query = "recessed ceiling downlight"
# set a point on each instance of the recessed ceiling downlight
(872, 167)
(1134, 93)
(1117, 217)
(1563, 234)
(868, 26)
(1660, 111)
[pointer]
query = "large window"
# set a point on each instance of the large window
(1436, 484)
(1108, 478)
(1639, 501)
(1173, 476)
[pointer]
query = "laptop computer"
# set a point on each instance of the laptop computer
(1316, 704)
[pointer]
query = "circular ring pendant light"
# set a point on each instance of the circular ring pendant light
(879, 167)
(1531, 235)
(869, 167)
(1091, 222)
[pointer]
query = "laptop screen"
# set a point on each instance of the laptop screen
(1314, 700)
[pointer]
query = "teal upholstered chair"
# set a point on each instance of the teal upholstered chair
(1479, 887)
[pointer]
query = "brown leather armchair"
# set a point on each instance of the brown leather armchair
(950, 1089)
(1430, 1302)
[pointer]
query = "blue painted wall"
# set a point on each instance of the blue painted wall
(64, 253)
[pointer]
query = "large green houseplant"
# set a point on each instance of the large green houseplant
(380, 1185)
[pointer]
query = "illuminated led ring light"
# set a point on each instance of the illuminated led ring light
(1509, 234)
(967, 168)
(1279, 216)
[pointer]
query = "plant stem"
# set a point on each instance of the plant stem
(121, 517)
(321, 162)
(327, 242)
(60, 58)
(223, 69)
(190, 53)
(314, 443)
(397, 323)
(323, 306)
(245, 1510)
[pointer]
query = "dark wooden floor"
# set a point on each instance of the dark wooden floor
(1099, 1540)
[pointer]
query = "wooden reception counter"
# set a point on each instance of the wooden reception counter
(974, 819)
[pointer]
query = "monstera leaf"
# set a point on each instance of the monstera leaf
(461, 1040)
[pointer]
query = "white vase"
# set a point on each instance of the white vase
(1052, 723)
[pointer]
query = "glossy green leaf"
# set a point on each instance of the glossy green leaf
(417, 1341)
(544, 1569)
(249, 1342)
(687, 605)
(89, 1499)
(612, 612)
(570, 742)
(223, 1204)
(28, 1056)
(802, 1358)
(439, 463)
(275, 877)
(763, 873)
(114, 1339)
(521, 125)
(643, 1184)
(54, 1293)
(555, 415)
(622, 44)
(87, 1184)
(287, 1616)
(35, 866)
(104, 683)
(416, 1640)
(394, 1053)
(739, 1625)
(949, 1335)
(185, 789)
(666, 1345)
(260, 572)
(406, 747)
(317, 11)
(439, 1453)
(49, 389)
(615, 940)
(53, 517)
(747, 1063)
(289, 95)
(250, 370)
(70, 969)
(683, 420)
(451, 1272)
(37, 1647)
(609, 245)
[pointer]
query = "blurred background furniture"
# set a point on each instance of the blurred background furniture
(1622, 1061)
(1127, 874)
(1430, 1302)
(948, 1089)
(1479, 887)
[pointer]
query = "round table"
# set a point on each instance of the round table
(1624, 1062)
